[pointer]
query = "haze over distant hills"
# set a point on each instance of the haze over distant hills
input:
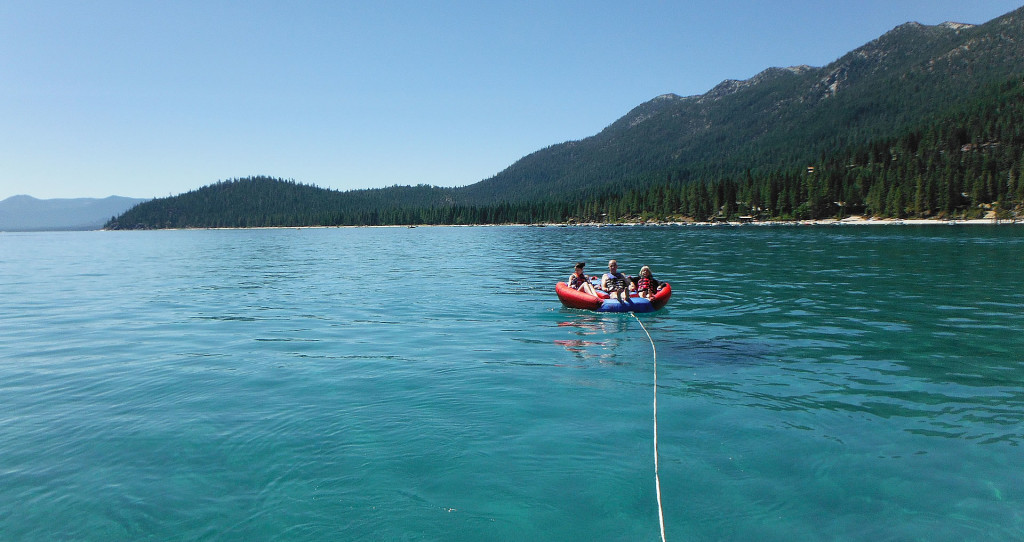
(924, 121)
(25, 213)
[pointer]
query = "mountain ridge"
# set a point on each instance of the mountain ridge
(781, 109)
(951, 86)
(26, 213)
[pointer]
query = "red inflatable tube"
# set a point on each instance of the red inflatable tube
(576, 299)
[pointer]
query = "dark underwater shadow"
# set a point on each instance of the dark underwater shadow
(687, 352)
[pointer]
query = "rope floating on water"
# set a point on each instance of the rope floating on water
(657, 479)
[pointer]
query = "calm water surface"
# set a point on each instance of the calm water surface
(832, 383)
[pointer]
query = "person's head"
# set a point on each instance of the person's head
(613, 266)
(579, 267)
(645, 271)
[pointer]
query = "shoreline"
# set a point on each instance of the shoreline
(849, 221)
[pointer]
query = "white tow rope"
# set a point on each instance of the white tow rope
(657, 480)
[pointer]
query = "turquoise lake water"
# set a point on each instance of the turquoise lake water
(815, 383)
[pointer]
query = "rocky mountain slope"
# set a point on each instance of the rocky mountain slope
(781, 116)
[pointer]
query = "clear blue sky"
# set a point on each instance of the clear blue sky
(146, 99)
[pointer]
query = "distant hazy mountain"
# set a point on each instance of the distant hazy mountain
(25, 213)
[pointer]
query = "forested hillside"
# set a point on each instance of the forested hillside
(781, 118)
(264, 201)
(961, 166)
(923, 122)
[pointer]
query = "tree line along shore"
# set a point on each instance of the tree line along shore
(966, 165)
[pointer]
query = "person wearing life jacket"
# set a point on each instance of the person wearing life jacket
(615, 283)
(579, 281)
(646, 285)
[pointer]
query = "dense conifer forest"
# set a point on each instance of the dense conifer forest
(969, 164)
(924, 122)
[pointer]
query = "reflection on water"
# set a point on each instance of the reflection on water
(601, 336)
(814, 383)
(844, 366)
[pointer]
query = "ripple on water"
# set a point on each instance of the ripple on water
(247, 385)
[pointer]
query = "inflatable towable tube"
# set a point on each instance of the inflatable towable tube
(575, 299)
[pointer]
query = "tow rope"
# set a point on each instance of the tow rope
(657, 479)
